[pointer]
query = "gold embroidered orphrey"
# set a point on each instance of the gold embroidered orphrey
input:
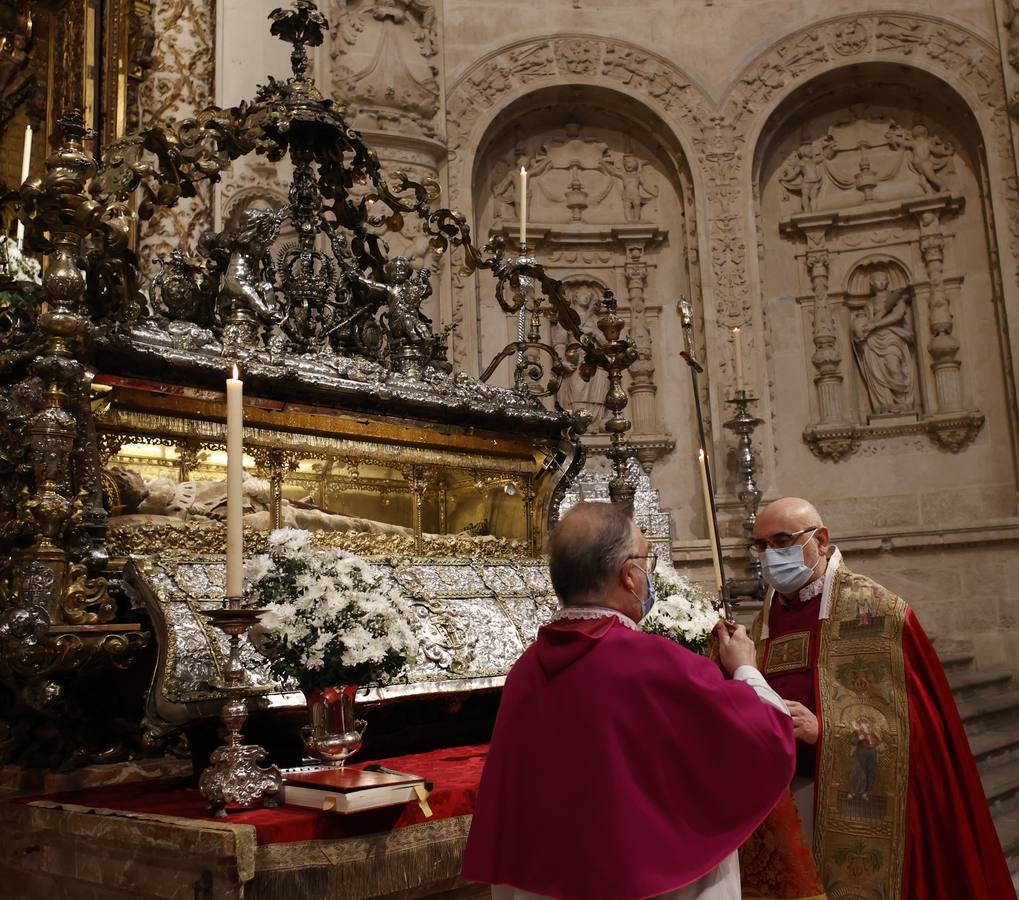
(863, 757)
(788, 653)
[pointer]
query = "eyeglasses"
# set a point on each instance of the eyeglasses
(779, 541)
(651, 555)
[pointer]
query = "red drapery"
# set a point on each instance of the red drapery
(455, 773)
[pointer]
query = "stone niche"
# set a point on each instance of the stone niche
(879, 299)
(607, 209)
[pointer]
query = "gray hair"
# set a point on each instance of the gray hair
(587, 548)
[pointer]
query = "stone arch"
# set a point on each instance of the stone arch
(484, 91)
(964, 61)
(945, 233)
(899, 272)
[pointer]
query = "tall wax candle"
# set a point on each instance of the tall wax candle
(523, 207)
(708, 509)
(234, 486)
(26, 167)
(737, 342)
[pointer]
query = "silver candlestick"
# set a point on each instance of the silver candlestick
(235, 774)
(524, 289)
(744, 424)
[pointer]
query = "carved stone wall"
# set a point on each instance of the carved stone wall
(185, 33)
(892, 266)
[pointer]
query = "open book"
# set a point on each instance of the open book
(349, 790)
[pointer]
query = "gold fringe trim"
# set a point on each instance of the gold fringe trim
(373, 865)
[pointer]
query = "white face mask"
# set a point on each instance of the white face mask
(785, 569)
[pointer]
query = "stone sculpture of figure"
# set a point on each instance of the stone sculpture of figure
(578, 394)
(883, 339)
(929, 157)
(405, 291)
(636, 188)
(248, 281)
(805, 174)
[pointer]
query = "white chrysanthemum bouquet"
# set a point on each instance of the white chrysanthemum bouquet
(682, 613)
(331, 617)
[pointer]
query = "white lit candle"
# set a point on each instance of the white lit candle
(523, 206)
(737, 344)
(703, 464)
(234, 486)
(26, 167)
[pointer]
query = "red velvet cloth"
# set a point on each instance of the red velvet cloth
(454, 772)
(614, 767)
(797, 684)
(952, 849)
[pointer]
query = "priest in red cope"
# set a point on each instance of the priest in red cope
(884, 771)
(622, 765)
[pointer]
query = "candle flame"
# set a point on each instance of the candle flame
(236, 373)
(523, 170)
(735, 330)
(700, 454)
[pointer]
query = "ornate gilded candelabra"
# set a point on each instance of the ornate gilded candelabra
(743, 424)
(235, 774)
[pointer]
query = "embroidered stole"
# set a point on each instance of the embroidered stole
(863, 755)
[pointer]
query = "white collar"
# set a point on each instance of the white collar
(834, 561)
(593, 612)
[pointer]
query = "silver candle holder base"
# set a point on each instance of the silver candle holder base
(235, 774)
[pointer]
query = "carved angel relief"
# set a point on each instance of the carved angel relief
(867, 158)
(577, 173)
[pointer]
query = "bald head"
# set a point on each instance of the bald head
(790, 514)
(781, 523)
(587, 549)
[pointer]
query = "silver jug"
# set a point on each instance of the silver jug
(334, 733)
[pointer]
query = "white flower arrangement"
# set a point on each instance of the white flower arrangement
(16, 266)
(331, 617)
(682, 612)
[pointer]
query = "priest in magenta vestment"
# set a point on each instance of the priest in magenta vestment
(623, 766)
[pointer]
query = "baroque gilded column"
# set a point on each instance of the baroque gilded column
(179, 84)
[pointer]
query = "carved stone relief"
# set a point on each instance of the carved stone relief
(384, 64)
(722, 138)
(874, 211)
(600, 201)
(476, 98)
(575, 178)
